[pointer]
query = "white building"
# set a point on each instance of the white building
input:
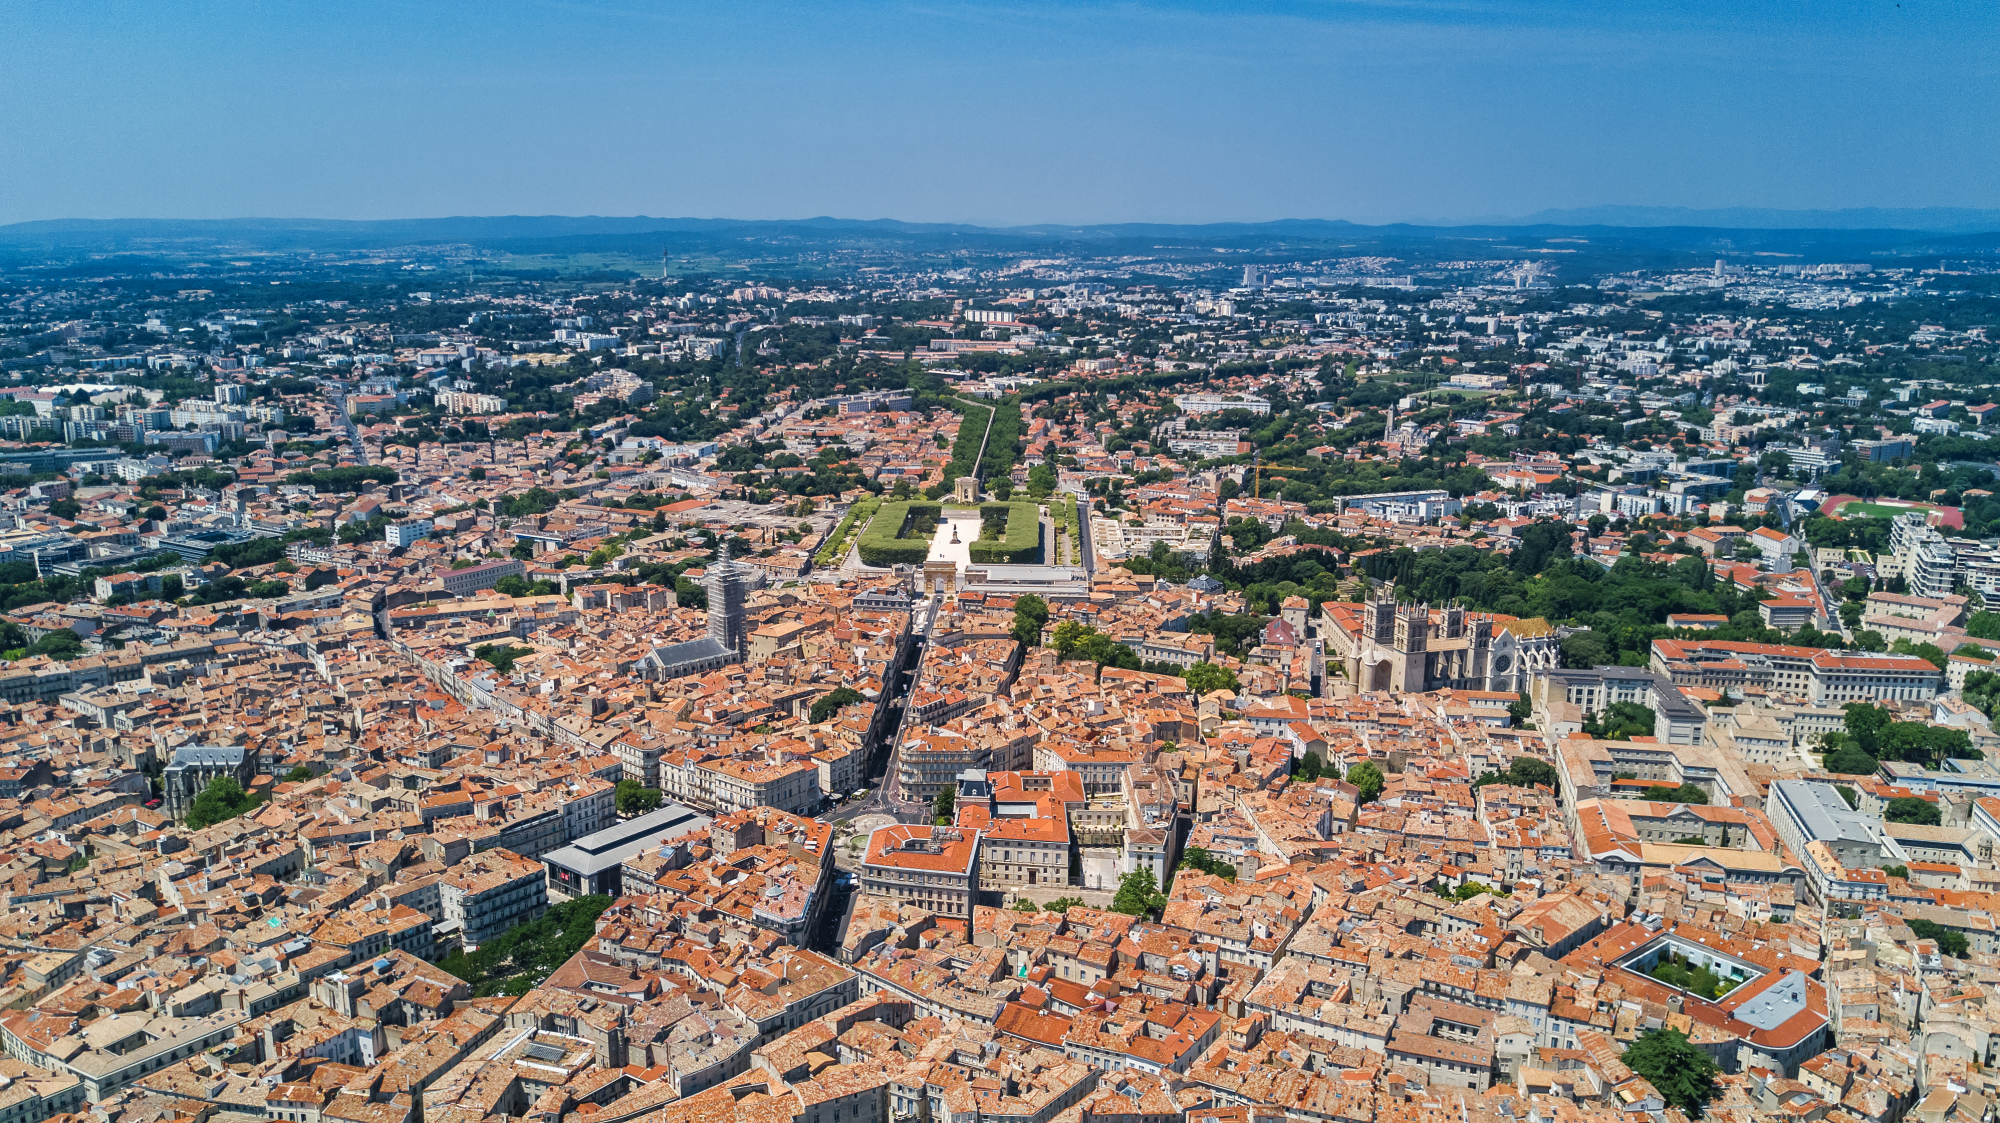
(406, 532)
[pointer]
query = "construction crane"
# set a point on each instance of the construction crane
(1258, 468)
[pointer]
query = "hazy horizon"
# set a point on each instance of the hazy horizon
(995, 116)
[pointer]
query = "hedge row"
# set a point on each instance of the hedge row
(829, 554)
(965, 450)
(888, 540)
(1004, 444)
(1022, 541)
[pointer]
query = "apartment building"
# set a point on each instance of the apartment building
(490, 892)
(1840, 677)
(1821, 676)
(1024, 853)
(463, 582)
(1677, 721)
(374, 929)
(1917, 619)
(934, 868)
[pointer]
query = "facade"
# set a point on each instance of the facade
(464, 582)
(1024, 853)
(1824, 677)
(1677, 721)
(194, 767)
(407, 532)
(1804, 812)
(935, 868)
(1398, 648)
(1840, 677)
(594, 863)
(490, 892)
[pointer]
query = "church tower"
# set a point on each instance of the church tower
(1382, 613)
(726, 612)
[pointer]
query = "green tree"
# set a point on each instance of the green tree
(1686, 793)
(1897, 871)
(501, 658)
(1982, 690)
(66, 508)
(1683, 1074)
(1138, 894)
(59, 644)
(1865, 723)
(1621, 721)
(1030, 614)
(1309, 767)
(517, 960)
(947, 802)
(222, 800)
(1042, 480)
(1366, 777)
(1196, 858)
(1928, 652)
(1911, 809)
(636, 799)
(299, 775)
(1983, 625)
(1204, 678)
(1949, 942)
(832, 701)
(1523, 772)
(1849, 760)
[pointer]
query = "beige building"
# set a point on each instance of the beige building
(934, 868)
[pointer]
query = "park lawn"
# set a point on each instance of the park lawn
(891, 537)
(1020, 540)
(1860, 509)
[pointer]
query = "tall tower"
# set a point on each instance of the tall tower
(726, 613)
(1413, 627)
(1382, 613)
(1410, 671)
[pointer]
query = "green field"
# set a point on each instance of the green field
(900, 534)
(1860, 509)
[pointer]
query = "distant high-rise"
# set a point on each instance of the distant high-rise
(1253, 276)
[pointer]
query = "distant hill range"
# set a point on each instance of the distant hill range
(1934, 220)
(1659, 227)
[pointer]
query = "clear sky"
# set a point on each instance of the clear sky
(994, 112)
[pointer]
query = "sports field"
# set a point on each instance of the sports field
(1849, 507)
(1861, 509)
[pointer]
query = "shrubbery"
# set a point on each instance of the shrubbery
(900, 534)
(1019, 534)
(343, 480)
(836, 544)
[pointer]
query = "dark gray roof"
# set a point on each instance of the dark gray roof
(609, 847)
(197, 755)
(692, 651)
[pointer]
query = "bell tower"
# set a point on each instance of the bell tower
(1382, 613)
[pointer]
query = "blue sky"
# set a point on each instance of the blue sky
(992, 113)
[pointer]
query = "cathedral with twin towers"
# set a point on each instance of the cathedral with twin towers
(1393, 648)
